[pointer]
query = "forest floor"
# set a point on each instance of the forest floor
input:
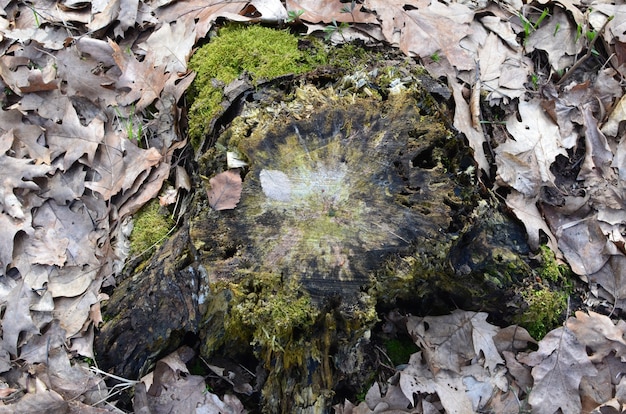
(91, 124)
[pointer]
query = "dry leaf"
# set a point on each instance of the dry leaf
(536, 143)
(558, 367)
(599, 334)
(225, 191)
(276, 185)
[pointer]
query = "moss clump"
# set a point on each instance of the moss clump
(550, 269)
(266, 312)
(545, 310)
(400, 350)
(547, 301)
(261, 52)
(150, 229)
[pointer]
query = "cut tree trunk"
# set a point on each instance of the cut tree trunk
(353, 204)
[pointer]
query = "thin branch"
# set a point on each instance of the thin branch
(587, 55)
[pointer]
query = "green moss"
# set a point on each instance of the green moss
(550, 269)
(400, 350)
(267, 312)
(261, 52)
(545, 310)
(547, 301)
(151, 227)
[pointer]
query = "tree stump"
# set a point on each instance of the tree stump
(357, 198)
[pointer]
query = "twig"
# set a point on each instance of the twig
(587, 55)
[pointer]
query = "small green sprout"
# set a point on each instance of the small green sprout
(435, 57)
(544, 14)
(293, 16)
(335, 28)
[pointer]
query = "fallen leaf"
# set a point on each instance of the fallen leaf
(598, 155)
(503, 71)
(17, 322)
(526, 211)
(425, 28)
(73, 140)
(120, 164)
(618, 114)
(450, 341)
(276, 185)
(558, 366)
(225, 191)
(325, 11)
(599, 334)
(140, 82)
(536, 142)
(463, 122)
(170, 46)
(558, 38)
(17, 173)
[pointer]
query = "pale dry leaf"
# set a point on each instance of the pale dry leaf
(448, 385)
(142, 82)
(558, 38)
(119, 164)
(276, 185)
(73, 223)
(70, 380)
(84, 76)
(558, 366)
(483, 334)
(425, 29)
(9, 227)
(610, 281)
(463, 122)
(598, 155)
(271, 11)
(83, 344)
(512, 338)
(73, 312)
(66, 187)
(145, 188)
(599, 334)
(582, 242)
(520, 372)
(37, 349)
(536, 140)
(28, 143)
(325, 11)
(170, 46)
(616, 28)
(72, 139)
(225, 191)
(450, 341)
(618, 114)
(200, 14)
(18, 173)
(40, 402)
(17, 322)
(525, 209)
(501, 27)
(503, 71)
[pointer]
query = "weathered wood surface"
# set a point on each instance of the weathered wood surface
(370, 205)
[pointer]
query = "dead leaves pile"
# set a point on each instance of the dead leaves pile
(89, 126)
(467, 365)
(88, 129)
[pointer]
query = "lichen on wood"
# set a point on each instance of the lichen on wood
(338, 183)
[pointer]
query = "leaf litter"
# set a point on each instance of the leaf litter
(73, 175)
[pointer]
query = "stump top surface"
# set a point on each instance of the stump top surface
(334, 186)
